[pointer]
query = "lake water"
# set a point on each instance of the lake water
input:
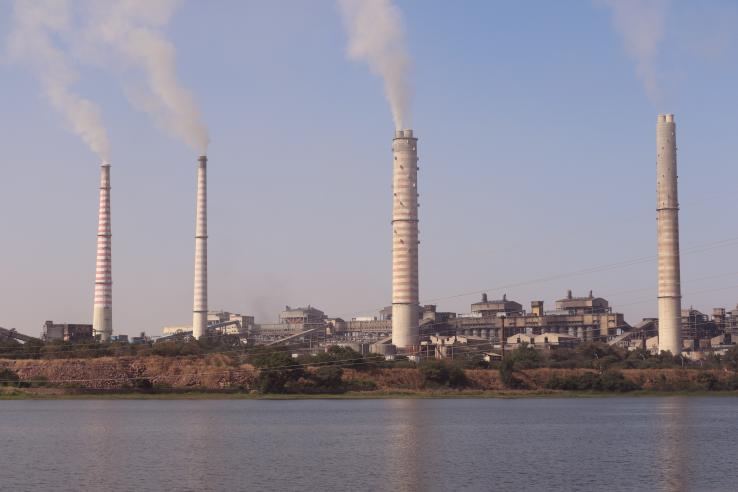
(549, 444)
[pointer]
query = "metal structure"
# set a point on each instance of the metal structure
(12, 334)
(667, 220)
(102, 314)
(405, 332)
(200, 304)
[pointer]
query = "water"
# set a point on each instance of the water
(395, 445)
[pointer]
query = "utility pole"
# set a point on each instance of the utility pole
(502, 336)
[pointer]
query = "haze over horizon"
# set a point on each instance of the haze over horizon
(536, 125)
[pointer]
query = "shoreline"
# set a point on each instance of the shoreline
(33, 394)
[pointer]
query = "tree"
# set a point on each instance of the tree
(433, 373)
(8, 377)
(276, 370)
(507, 370)
(328, 379)
(438, 373)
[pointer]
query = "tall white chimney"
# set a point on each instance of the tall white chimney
(102, 313)
(200, 305)
(667, 220)
(405, 332)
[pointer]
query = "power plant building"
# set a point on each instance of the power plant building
(219, 322)
(588, 318)
(66, 332)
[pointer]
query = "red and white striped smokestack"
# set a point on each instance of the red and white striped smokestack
(102, 315)
(200, 306)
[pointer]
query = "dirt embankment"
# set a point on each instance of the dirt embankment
(220, 372)
(536, 379)
(114, 373)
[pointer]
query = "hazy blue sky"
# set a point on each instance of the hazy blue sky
(536, 146)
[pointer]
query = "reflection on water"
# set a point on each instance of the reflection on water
(674, 448)
(97, 444)
(589, 444)
(406, 445)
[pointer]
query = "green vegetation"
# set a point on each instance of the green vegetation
(8, 378)
(436, 373)
(592, 368)
(310, 374)
(609, 381)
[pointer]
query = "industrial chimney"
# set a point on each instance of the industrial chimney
(102, 314)
(405, 307)
(200, 305)
(667, 220)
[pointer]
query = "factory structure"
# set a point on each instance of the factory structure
(408, 328)
(490, 323)
(218, 323)
(587, 318)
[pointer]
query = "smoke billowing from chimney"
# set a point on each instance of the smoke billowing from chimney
(641, 24)
(134, 29)
(377, 36)
(32, 41)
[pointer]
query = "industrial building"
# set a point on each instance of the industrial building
(588, 318)
(218, 322)
(544, 341)
(726, 321)
(430, 321)
(66, 332)
(302, 317)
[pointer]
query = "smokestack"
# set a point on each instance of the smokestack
(667, 220)
(102, 313)
(200, 305)
(405, 332)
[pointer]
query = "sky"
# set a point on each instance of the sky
(536, 131)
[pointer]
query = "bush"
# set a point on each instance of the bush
(507, 371)
(609, 381)
(9, 378)
(166, 349)
(709, 382)
(329, 379)
(361, 385)
(277, 370)
(525, 357)
(457, 377)
(40, 382)
(731, 384)
(144, 384)
(435, 373)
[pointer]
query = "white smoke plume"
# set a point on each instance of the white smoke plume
(35, 40)
(376, 36)
(134, 30)
(642, 25)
